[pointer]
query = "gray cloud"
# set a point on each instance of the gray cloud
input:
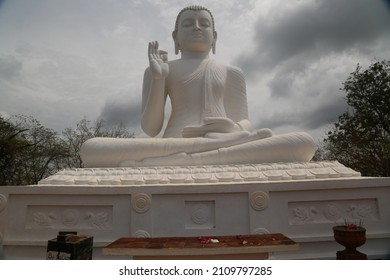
(284, 78)
(62, 56)
(10, 67)
(121, 109)
(318, 115)
(316, 30)
(301, 55)
(324, 114)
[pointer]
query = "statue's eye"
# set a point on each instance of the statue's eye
(187, 23)
(205, 23)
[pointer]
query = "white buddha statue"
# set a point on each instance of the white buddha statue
(209, 119)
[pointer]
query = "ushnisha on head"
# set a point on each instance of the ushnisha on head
(195, 30)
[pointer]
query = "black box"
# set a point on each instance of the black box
(70, 246)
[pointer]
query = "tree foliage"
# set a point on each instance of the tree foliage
(85, 130)
(30, 152)
(361, 137)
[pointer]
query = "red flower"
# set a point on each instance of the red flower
(352, 226)
(204, 240)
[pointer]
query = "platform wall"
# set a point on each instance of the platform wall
(303, 210)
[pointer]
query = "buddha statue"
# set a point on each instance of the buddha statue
(209, 122)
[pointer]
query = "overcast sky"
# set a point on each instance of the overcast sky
(61, 60)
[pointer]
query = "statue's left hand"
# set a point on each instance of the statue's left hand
(211, 124)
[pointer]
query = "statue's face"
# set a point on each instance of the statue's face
(195, 31)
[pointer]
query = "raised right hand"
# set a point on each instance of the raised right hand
(158, 61)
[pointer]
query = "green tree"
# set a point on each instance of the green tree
(29, 152)
(10, 145)
(360, 139)
(85, 129)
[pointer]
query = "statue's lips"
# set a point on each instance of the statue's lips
(197, 35)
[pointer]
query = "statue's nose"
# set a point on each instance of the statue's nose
(197, 26)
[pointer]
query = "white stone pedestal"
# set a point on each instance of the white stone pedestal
(302, 201)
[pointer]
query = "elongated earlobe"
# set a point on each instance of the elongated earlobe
(213, 46)
(177, 47)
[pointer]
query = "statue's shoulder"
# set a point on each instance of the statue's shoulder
(233, 70)
(235, 75)
(174, 62)
(176, 66)
(230, 69)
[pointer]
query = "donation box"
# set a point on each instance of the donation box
(70, 246)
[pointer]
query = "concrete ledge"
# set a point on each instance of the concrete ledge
(303, 210)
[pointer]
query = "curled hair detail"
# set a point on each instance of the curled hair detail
(194, 8)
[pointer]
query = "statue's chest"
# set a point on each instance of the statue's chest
(196, 83)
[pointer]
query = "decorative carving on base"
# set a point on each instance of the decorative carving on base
(305, 215)
(141, 202)
(259, 200)
(67, 217)
(141, 233)
(42, 219)
(333, 211)
(260, 231)
(211, 174)
(70, 217)
(200, 214)
(98, 220)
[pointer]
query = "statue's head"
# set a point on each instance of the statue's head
(194, 30)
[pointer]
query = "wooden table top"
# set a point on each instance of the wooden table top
(209, 245)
